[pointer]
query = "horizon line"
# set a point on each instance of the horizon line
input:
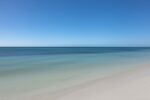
(67, 46)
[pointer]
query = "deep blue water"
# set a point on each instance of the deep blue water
(21, 51)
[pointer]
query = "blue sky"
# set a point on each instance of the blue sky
(74, 23)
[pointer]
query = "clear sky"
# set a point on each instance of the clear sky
(74, 22)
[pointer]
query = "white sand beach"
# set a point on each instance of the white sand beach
(129, 85)
(133, 84)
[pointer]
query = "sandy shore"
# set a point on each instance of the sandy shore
(133, 84)
(129, 85)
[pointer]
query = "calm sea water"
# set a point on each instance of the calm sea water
(24, 51)
(26, 70)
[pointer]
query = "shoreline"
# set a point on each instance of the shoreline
(126, 85)
(131, 84)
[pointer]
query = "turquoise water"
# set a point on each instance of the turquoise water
(26, 70)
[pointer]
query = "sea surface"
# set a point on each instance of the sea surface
(25, 70)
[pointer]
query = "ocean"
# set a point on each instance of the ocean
(27, 70)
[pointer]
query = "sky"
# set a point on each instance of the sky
(74, 22)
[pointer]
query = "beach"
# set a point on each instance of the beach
(128, 85)
(131, 84)
(123, 75)
(74, 49)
